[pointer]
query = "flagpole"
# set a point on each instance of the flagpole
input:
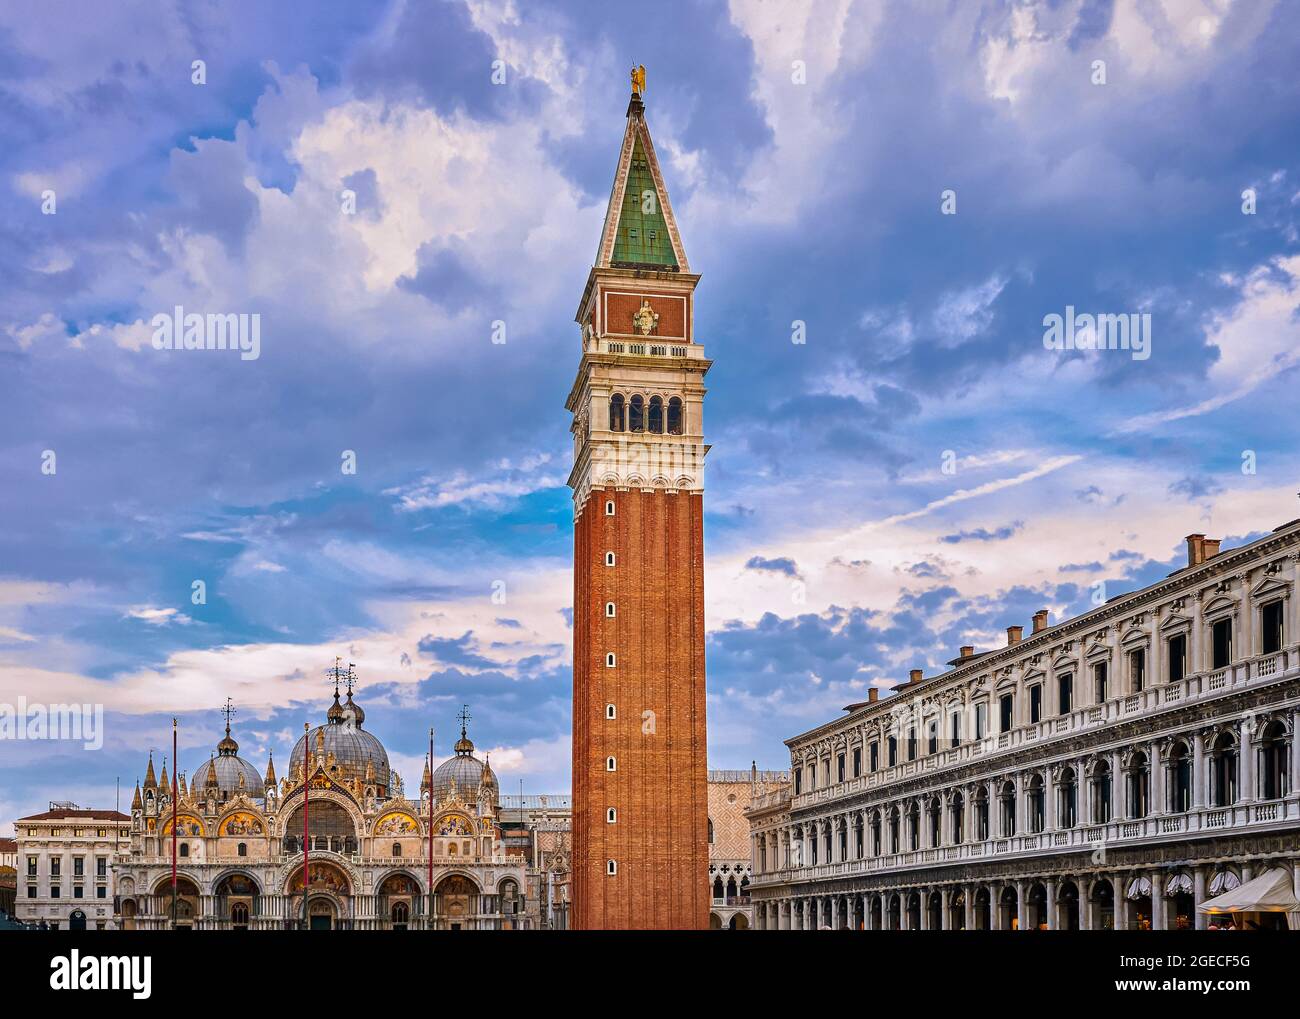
(306, 799)
(429, 912)
(174, 824)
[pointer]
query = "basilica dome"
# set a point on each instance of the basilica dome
(229, 769)
(355, 753)
(464, 773)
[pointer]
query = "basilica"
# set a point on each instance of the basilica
(334, 844)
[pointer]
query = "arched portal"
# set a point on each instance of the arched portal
(77, 921)
(1103, 900)
(1067, 906)
(455, 902)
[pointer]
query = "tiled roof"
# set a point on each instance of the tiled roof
(88, 813)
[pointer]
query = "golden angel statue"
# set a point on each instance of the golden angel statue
(638, 79)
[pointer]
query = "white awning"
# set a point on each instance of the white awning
(1138, 887)
(1224, 881)
(1271, 892)
(1179, 884)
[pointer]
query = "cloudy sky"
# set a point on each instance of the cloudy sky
(917, 475)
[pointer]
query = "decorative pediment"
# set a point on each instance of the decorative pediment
(1064, 662)
(1269, 587)
(1097, 651)
(1035, 676)
(1135, 636)
(1220, 606)
(1175, 621)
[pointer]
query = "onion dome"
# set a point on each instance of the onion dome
(463, 773)
(345, 748)
(229, 772)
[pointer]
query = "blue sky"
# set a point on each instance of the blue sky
(917, 475)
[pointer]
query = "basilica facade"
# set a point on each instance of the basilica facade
(1113, 771)
(374, 859)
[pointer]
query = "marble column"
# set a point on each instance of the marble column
(1198, 892)
(1051, 904)
(1022, 906)
(1157, 900)
(970, 907)
(1199, 798)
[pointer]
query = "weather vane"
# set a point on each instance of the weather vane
(228, 711)
(336, 673)
(464, 717)
(638, 79)
(352, 677)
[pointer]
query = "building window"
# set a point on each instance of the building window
(875, 756)
(609, 610)
(1067, 799)
(1099, 683)
(397, 849)
(611, 712)
(611, 817)
(1006, 707)
(77, 892)
(31, 866)
(241, 849)
(1008, 799)
(31, 891)
(798, 781)
(185, 849)
(911, 743)
(839, 767)
(609, 660)
(78, 866)
(675, 416)
(56, 866)
(1270, 627)
(54, 891)
(1101, 793)
(981, 719)
(1180, 779)
(1177, 647)
(932, 736)
(611, 764)
(636, 414)
(892, 756)
(611, 867)
(1274, 753)
(1138, 786)
(609, 507)
(656, 416)
(1137, 670)
(981, 815)
(616, 413)
(1037, 805)
(957, 818)
(1035, 704)
(1065, 693)
(956, 728)
(609, 559)
(101, 892)
(857, 761)
(1221, 645)
(1223, 771)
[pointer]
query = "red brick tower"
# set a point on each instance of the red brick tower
(640, 780)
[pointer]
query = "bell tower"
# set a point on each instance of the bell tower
(640, 779)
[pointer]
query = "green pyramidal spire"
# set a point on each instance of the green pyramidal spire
(642, 237)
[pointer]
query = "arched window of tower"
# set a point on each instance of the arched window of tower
(656, 415)
(636, 415)
(616, 412)
(675, 416)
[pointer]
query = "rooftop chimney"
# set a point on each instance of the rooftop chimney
(967, 650)
(1013, 634)
(873, 695)
(915, 676)
(1211, 546)
(1195, 549)
(1040, 620)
